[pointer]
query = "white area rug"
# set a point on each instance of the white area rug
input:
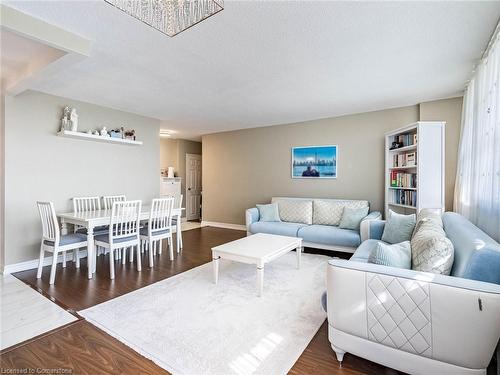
(188, 325)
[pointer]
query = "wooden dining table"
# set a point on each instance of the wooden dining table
(92, 219)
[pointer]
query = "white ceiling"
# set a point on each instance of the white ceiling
(261, 63)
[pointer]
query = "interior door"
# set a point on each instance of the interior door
(193, 186)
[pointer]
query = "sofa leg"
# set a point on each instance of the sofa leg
(339, 353)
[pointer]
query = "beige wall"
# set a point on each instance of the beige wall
(449, 110)
(245, 167)
(43, 166)
(168, 153)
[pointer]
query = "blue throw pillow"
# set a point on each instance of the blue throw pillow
(351, 217)
(398, 228)
(268, 212)
(397, 255)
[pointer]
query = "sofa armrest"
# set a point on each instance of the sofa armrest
(366, 300)
(251, 216)
(364, 227)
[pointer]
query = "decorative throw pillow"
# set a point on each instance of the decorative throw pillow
(295, 210)
(329, 211)
(268, 212)
(398, 228)
(431, 250)
(397, 255)
(351, 217)
(425, 215)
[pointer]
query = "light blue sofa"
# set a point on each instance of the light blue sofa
(477, 255)
(328, 237)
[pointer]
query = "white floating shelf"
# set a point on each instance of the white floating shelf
(97, 138)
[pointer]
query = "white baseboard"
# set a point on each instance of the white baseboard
(47, 261)
(223, 225)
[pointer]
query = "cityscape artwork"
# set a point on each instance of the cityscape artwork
(314, 162)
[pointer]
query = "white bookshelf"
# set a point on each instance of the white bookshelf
(427, 170)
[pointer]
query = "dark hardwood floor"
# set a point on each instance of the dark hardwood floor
(81, 348)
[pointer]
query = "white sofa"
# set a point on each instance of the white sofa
(418, 322)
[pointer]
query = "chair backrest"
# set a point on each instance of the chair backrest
(108, 200)
(160, 216)
(178, 201)
(50, 225)
(81, 204)
(125, 218)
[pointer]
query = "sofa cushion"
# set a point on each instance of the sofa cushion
(396, 255)
(329, 211)
(295, 210)
(268, 212)
(364, 250)
(280, 228)
(351, 217)
(431, 250)
(330, 235)
(484, 265)
(466, 239)
(398, 228)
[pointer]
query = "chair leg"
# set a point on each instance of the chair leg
(53, 268)
(180, 234)
(124, 255)
(139, 266)
(64, 259)
(76, 257)
(112, 263)
(143, 246)
(40, 262)
(160, 246)
(131, 254)
(154, 247)
(170, 248)
(150, 255)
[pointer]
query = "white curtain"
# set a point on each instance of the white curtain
(477, 188)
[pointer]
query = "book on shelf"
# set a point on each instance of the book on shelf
(405, 197)
(404, 160)
(406, 139)
(404, 180)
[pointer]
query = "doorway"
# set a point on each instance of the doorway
(193, 186)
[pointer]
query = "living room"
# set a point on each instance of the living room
(241, 187)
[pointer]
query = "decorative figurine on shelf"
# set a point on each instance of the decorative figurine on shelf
(104, 132)
(130, 134)
(96, 132)
(122, 130)
(89, 131)
(65, 119)
(73, 117)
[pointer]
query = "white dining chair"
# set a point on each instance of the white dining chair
(53, 242)
(159, 227)
(123, 232)
(83, 204)
(108, 200)
(176, 220)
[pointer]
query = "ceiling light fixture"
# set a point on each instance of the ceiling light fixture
(165, 133)
(169, 16)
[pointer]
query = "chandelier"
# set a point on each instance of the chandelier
(169, 16)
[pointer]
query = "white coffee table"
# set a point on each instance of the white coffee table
(258, 249)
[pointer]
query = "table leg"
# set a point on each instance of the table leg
(178, 233)
(260, 279)
(64, 231)
(90, 251)
(299, 253)
(215, 261)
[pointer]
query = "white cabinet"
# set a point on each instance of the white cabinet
(414, 172)
(170, 187)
